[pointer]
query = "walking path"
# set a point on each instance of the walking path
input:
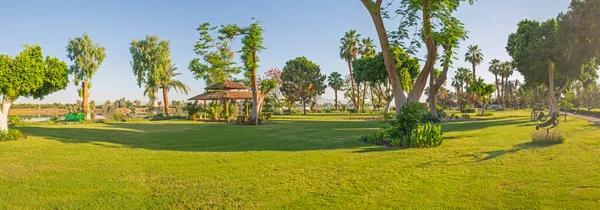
(589, 118)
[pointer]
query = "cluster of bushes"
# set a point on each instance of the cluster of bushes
(411, 128)
(462, 116)
(10, 135)
(467, 109)
(486, 114)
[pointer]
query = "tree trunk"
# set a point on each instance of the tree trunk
(154, 99)
(552, 105)
(388, 103)
(84, 103)
(166, 100)
(432, 93)
(353, 94)
(304, 105)
(4, 115)
(364, 96)
(336, 101)
(388, 58)
(497, 89)
(415, 94)
(255, 92)
(483, 109)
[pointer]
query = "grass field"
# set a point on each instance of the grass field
(300, 162)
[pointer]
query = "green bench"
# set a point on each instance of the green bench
(75, 118)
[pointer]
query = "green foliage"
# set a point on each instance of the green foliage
(409, 118)
(487, 114)
(10, 135)
(14, 120)
(467, 109)
(302, 79)
(150, 60)
(214, 111)
(344, 107)
(373, 70)
(466, 116)
(426, 136)
(29, 74)
(192, 110)
(335, 81)
(376, 137)
(548, 138)
(86, 56)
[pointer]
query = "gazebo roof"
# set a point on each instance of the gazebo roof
(228, 85)
(221, 95)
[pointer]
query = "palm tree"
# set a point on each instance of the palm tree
(506, 70)
(336, 82)
(457, 83)
(494, 69)
(474, 56)
(348, 52)
(366, 48)
(167, 82)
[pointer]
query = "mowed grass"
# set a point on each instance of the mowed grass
(300, 162)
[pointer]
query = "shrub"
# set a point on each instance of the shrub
(486, 114)
(10, 135)
(14, 120)
(344, 107)
(192, 110)
(426, 136)
(376, 138)
(214, 111)
(440, 111)
(467, 109)
(544, 138)
(466, 116)
(411, 115)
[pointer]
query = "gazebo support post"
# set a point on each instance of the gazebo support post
(226, 109)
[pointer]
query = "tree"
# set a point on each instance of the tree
(87, 57)
(506, 70)
(218, 65)
(373, 70)
(474, 56)
(544, 53)
(150, 58)
(415, 14)
(166, 82)
(29, 74)
(483, 92)
(349, 52)
(336, 82)
(302, 79)
(495, 69)
(567, 102)
(366, 48)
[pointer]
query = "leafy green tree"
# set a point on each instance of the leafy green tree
(87, 57)
(252, 44)
(150, 59)
(336, 82)
(167, 82)
(302, 79)
(349, 50)
(428, 18)
(544, 54)
(29, 74)
(483, 92)
(218, 65)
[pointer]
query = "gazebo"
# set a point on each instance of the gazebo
(225, 91)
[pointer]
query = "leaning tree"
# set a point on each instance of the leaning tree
(427, 17)
(29, 74)
(87, 57)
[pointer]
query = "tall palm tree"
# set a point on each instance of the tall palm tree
(366, 48)
(474, 56)
(506, 70)
(457, 83)
(349, 52)
(336, 82)
(494, 69)
(167, 83)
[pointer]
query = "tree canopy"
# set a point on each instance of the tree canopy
(150, 59)
(302, 79)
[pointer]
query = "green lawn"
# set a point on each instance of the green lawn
(300, 162)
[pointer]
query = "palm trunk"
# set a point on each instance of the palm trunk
(304, 105)
(336, 100)
(4, 115)
(165, 93)
(353, 88)
(388, 58)
(84, 103)
(497, 89)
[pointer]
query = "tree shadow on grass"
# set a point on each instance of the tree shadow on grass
(523, 146)
(480, 124)
(212, 137)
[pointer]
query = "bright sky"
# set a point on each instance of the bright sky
(310, 28)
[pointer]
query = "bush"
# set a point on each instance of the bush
(486, 114)
(344, 107)
(14, 120)
(440, 111)
(542, 137)
(10, 135)
(467, 109)
(214, 111)
(466, 116)
(411, 115)
(376, 137)
(426, 136)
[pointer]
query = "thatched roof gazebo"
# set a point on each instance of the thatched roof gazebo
(225, 92)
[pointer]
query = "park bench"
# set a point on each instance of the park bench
(74, 118)
(551, 123)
